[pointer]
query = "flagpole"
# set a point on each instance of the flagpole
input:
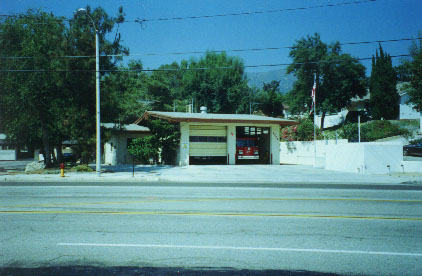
(314, 94)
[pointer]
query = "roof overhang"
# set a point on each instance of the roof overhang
(173, 118)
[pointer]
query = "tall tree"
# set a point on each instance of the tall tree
(56, 100)
(339, 76)
(384, 102)
(124, 94)
(415, 64)
(29, 100)
(80, 79)
(221, 89)
(271, 100)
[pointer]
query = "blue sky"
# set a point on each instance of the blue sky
(379, 20)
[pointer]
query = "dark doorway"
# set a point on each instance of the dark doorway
(252, 145)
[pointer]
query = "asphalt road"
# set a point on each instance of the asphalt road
(343, 231)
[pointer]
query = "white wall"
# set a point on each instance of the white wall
(363, 158)
(302, 152)
(231, 144)
(115, 150)
(412, 166)
(9, 155)
(275, 144)
(406, 110)
(184, 145)
(332, 120)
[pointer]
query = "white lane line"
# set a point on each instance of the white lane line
(242, 248)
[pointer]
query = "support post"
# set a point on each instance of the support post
(359, 128)
(97, 69)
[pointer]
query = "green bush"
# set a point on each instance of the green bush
(144, 149)
(163, 142)
(371, 131)
(304, 131)
(82, 168)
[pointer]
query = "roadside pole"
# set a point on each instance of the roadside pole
(314, 99)
(359, 127)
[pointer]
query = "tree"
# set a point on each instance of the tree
(384, 101)
(415, 93)
(56, 101)
(221, 89)
(164, 141)
(144, 149)
(339, 76)
(79, 85)
(124, 94)
(29, 100)
(271, 100)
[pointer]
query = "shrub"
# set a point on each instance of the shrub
(82, 168)
(164, 141)
(302, 132)
(371, 131)
(144, 149)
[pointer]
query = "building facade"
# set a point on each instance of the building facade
(224, 138)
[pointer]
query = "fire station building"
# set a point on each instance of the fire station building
(224, 138)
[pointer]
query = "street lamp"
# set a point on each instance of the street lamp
(97, 72)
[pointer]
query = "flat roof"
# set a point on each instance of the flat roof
(129, 128)
(215, 118)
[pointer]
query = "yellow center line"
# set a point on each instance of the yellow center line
(206, 214)
(211, 199)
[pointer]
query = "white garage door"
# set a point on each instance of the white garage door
(206, 140)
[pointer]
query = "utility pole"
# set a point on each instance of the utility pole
(314, 99)
(97, 86)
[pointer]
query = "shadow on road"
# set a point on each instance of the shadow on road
(149, 271)
(129, 168)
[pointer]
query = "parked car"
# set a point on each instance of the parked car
(413, 150)
(69, 158)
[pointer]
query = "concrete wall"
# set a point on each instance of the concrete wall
(363, 158)
(275, 144)
(332, 120)
(231, 144)
(302, 152)
(183, 156)
(115, 150)
(406, 110)
(9, 155)
(411, 166)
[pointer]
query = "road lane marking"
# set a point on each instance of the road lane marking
(204, 214)
(210, 199)
(242, 248)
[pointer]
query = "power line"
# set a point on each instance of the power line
(143, 20)
(195, 69)
(217, 51)
(139, 20)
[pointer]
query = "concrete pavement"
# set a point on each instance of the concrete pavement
(350, 232)
(219, 174)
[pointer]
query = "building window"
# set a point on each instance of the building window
(207, 139)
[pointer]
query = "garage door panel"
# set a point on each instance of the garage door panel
(208, 131)
(208, 149)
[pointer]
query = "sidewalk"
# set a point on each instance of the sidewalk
(285, 174)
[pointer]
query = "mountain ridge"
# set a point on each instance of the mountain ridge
(257, 79)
